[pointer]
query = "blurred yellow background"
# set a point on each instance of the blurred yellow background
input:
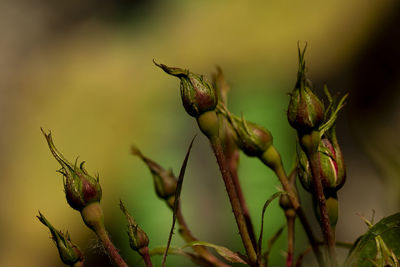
(83, 69)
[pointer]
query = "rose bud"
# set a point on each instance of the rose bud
(251, 138)
(306, 111)
(198, 96)
(333, 173)
(69, 253)
(137, 237)
(81, 189)
(165, 181)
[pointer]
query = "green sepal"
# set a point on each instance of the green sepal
(69, 253)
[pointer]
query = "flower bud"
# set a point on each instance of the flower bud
(137, 237)
(251, 138)
(69, 253)
(165, 181)
(81, 189)
(306, 111)
(198, 96)
(285, 203)
(333, 173)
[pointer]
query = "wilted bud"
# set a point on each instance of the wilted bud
(306, 111)
(69, 253)
(137, 237)
(80, 188)
(333, 173)
(165, 181)
(198, 96)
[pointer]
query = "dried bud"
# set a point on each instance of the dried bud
(137, 237)
(69, 253)
(306, 111)
(333, 173)
(198, 96)
(81, 189)
(165, 181)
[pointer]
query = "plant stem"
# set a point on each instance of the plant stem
(290, 226)
(281, 174)
(187, 235)
(234, 200)
(144, 252)
(314, 160)
(93, 217)
(109, 246)
(232, 163)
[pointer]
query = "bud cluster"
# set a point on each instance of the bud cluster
(316, 131)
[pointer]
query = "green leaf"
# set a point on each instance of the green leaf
(176, 202)
(379, 246)
(226, 253)
(274, 196)
(271, 243)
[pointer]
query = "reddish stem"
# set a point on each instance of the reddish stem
(321, 201)
(234, 199)
(144, 252)
(232, 162)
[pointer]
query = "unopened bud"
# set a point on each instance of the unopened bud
(137, 237)
(306, 111)
(69, 253)
(81, 189)
(198, 96)
(333, 173)
(285, 203)
(251, 138)
(165, 181)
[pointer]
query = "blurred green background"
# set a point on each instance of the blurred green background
(83, 69)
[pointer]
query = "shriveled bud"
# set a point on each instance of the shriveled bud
(69, 253)
(306, 111)
(333, 173)
(81, 189)
(137, 237)
(198, 96)
(165, 181)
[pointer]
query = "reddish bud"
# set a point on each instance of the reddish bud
(306, 111)
(198, 96)
(81, 189)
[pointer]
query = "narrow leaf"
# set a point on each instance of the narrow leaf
(274, 196)
(301, 256)
(226, 253)
(176, 201)
(271, 243)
